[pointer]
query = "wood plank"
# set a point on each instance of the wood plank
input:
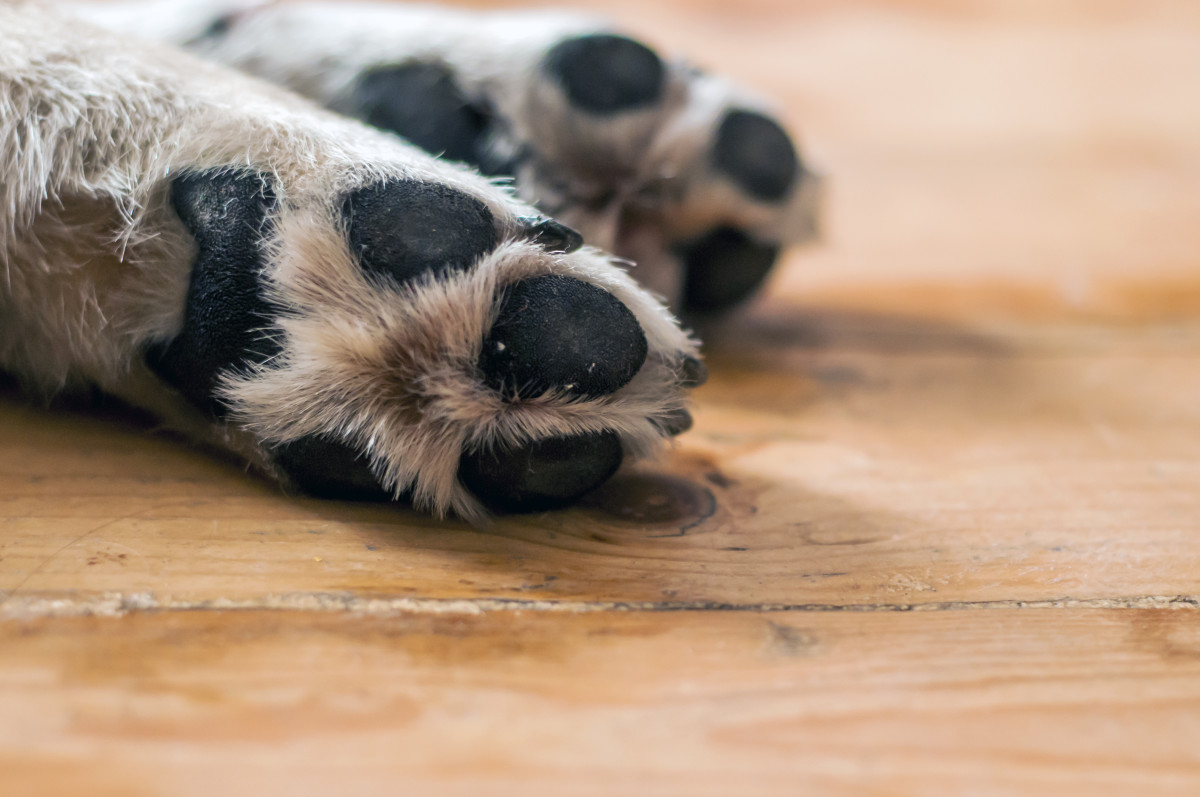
(1035, 702)
(935, 466)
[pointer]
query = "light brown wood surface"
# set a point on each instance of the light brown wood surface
(937, 529)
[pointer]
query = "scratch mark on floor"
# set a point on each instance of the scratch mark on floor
(118, 604)
(4, 600)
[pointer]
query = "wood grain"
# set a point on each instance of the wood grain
(704, 703)
(950, 469)
(937, 529)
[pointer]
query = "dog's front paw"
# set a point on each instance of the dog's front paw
(410, 338)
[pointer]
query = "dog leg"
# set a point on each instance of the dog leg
(348, 313)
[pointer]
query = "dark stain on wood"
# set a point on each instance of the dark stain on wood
(654, 499)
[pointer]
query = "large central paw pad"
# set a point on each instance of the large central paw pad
(424, 101)
(227, 318)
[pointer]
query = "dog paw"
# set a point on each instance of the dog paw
(670, 168)
(677, 170)
(409, 338)
(680, 171)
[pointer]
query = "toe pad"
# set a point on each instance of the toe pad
(756, 154)
(546, 474)
(606, 74)
(406, 228)
(560, 333)
(325, 468)
(723, 268)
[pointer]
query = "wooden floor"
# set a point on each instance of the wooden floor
(937, 530)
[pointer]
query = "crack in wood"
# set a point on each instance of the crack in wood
(118, 604)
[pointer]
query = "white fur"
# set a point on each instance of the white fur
(633, 184)
(94, 265)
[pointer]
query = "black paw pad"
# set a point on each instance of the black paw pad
(755, 152)
(546, 474)
(723, 268)
(329, 469)
(606, 74)
(551, 235)
(225, 316)
(405, 228)
(422, 103)
(559, 333)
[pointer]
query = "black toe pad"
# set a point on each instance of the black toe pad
(756, 154)
(723, 268)
(560, 333)
(546, 474)
(606, 74)
(329, 469)
(405, 228)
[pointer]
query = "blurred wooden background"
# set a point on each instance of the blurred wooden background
(937, 530)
